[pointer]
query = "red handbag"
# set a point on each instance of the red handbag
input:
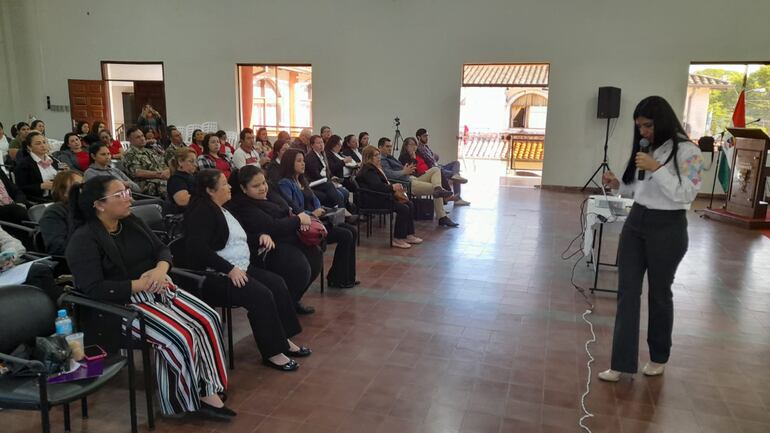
(314, 235)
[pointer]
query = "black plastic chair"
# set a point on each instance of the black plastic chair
(360, 200)
(27, 312)
(166, 227)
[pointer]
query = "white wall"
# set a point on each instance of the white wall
(375, 59)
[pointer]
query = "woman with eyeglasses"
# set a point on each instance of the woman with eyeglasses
(115, 257)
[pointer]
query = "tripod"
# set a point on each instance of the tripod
(397, 138)
(604, 166)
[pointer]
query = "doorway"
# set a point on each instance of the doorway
(503, 111)
(130, 87)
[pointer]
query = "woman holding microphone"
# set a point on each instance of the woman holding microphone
(663, 175)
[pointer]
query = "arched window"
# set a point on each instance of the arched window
(528, 111)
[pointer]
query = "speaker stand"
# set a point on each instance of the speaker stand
(604, 166)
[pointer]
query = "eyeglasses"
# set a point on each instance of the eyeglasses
(124, 194)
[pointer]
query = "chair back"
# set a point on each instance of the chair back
(151, 214)
(36, 212)
(26, 312)
(178, 251)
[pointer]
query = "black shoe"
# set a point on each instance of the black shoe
(222, 396)
(303, 309)
(336, 285)
(356, 282)
(215, 413)
(445, 221)
(439, 192)
(303, 352)
(289, 366)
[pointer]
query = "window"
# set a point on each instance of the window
(276, 97)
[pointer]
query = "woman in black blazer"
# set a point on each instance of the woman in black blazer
(216, 240)
(261, 211)
(115, 257)
(371, 177)
(12, 211)
(35, 169)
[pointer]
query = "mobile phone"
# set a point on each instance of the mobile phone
(94, 352)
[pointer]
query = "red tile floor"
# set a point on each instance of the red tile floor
(479, 330)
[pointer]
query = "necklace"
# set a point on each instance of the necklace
(117, 232)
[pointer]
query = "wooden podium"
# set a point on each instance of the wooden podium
(745, 197)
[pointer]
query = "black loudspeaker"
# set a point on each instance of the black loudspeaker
(609, 103)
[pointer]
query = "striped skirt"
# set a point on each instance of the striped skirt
(186, 335)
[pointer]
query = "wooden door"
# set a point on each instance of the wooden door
(89, 101)
(149, 92)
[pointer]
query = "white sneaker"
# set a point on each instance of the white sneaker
(412, 239)
(401, 243)
(610, 375)
(461, 202)
(653, 369)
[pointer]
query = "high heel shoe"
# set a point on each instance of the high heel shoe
(292, 365)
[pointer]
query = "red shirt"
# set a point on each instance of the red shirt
(223, 166)
(198, 150)
(115, 147)
(421, 166)
(83, 160)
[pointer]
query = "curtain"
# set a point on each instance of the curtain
(247, 94)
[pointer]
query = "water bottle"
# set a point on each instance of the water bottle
(63, 323)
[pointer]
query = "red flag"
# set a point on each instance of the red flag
(739, 114)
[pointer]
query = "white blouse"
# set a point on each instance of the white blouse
(236, 250)
(663, 189)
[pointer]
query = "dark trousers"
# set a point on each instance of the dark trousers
(298, 265)
(447, 171)
(343, 268)
(652, 241)
(404, 220)
(13, 213)
(328, 195)
(269, 304)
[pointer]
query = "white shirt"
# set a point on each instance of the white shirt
(241, 158)
(323, 164)
(236, 250)
(663, 189)
(46, 173)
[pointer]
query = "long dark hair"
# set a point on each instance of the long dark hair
(287, 166)
(192, 137)
(360, 136)
(666, 126)
(79, 127)
(242, 177)
(404, 156)
(205, 145)
(333, 141)
(346, 142)
(82, 197)
(28, 141)
(204, 180)
(66, 144)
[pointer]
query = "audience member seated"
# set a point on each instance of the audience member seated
(152, 141)
(300, 198)
(35, 169)
(37, 125)
(197, 142)
(22, 129)
(246, 154)
(326, 133)
(39, 275)
(13, 202)
(175, 144)
(262, 212)
(216, 240)
(114, 257)
(303, 140)
(55, 224)
(5, 144)
(72, 153)
(263, 144)
(226, 148)
(285, 136)
(102, 165)
(352, 147)
(182, 180)
(450, 172)
(428, 183)
(115, 146)
(213, 157)
(273, 168)
(82, 129)
(320, 178)
(372, 177)
(340, 166)
(145, 166)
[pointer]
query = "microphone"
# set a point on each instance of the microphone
(644, 146)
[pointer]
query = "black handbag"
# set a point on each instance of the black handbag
(423, 209)
(53, 352)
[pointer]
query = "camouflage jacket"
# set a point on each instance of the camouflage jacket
(145, 159)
